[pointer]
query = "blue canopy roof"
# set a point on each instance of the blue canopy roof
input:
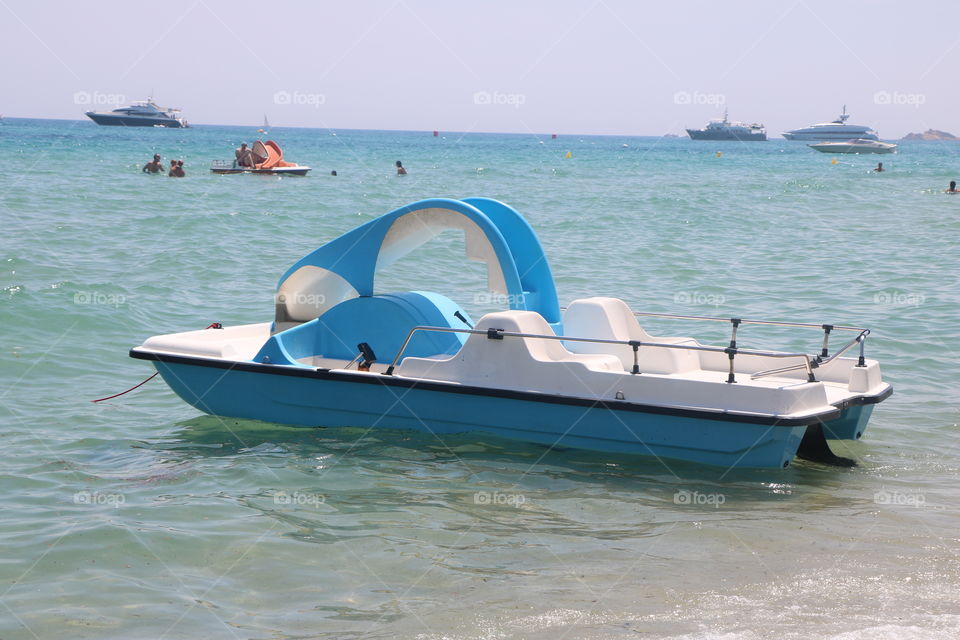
(346, 267)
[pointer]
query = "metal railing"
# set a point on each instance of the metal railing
(821, 359)
(500, 334)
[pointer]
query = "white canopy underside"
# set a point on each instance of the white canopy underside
(413, 230)
(310, 291)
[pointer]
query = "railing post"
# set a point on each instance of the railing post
(827, 328)
(636, 356)
(731, 352)
(861, 361)
(733, 336)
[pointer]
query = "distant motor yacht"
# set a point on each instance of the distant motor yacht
(836, 130)
(145, 113)
(726, 130)
(858, 145)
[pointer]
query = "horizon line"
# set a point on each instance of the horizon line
(684, 136)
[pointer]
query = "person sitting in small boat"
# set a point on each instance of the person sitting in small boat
(176, 169)
(879, 167)
(953, 187)
(244, 156)
(400, 170)
(154, 166)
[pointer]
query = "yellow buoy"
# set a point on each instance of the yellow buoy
(719, 154)
(833, 161)
(569, 155)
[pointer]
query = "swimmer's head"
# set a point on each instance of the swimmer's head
(399, 164)
(953, 185)
(156, 156)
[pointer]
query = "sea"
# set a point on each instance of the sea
(139, 517)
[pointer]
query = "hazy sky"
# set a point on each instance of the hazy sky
(605, 66)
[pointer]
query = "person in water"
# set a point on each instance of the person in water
(154, 166)
(400, 170)
(879, 167)
(176, 169)
(334, 172)
(244, 156)
(953, 187)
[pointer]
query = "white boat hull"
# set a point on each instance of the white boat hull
(847, 147)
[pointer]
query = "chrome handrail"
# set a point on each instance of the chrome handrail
(824, 356)
(749, 321)
(736, 322)
(861, 362)
(499, 334)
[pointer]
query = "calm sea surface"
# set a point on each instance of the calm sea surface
(140, 518)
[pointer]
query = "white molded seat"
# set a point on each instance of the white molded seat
(612, 319)
(513, 362)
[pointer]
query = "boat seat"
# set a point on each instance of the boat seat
(382, 321)
(513, 362)
(612, 319)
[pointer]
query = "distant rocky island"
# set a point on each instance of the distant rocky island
(930, 134)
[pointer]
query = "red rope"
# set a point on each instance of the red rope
(128, 390)
(215, 325)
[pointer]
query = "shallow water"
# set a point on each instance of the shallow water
(141, 518)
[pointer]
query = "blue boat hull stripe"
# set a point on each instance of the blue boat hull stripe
(531, 396)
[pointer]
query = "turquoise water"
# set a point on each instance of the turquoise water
(140, 518)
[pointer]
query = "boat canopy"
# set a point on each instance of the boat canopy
(346, 267)
(269, 155)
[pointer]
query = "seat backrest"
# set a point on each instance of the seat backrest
(612, 319)
(526, 322)
(606, 318)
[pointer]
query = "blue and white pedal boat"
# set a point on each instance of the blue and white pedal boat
(338, 353)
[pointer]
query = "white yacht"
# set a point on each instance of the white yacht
(836, 130)
(854, 146)
(145, 113)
